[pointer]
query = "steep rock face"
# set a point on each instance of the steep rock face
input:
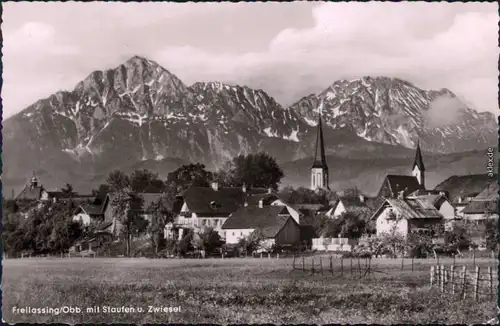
(394, 111)
(140, 112)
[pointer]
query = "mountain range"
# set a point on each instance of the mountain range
(139, 115)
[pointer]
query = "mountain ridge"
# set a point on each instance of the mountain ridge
(140, 111)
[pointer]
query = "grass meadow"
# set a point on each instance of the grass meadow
(238, 290)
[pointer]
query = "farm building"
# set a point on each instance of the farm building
(350, 205)
(484, 206)
(199, 207)
(404, 215)
(86, 213)
(441, 203)
(276, 223)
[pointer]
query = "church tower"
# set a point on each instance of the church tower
(319, 170)
(418, 168)
(33, 181)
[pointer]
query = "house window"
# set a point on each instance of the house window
(203, 222)
(233, 233)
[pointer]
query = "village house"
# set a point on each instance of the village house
(405, 215)
(277, 224)
(441, 203)
(484, 206)
(87, 213)
(202, 207)
(353, 204)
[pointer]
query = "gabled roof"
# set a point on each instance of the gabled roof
(464, 185)
(92, 210)
(488, 193)
(418, 159)
(481, 207)
(398, 183)
(270, 219)
(30, 193)
(410, 208)
(224, 201)
(253, 199)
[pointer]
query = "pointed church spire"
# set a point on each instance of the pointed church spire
(418, 158)
(320, 157)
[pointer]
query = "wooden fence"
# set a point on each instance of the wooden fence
(325, 265)
(458, 280)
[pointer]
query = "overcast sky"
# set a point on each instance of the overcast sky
(288, 49)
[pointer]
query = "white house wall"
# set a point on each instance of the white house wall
(233, 236)
(339, 210)
(447, 210)
(385, 225)
(84, 218)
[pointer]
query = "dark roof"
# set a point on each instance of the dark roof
(418, 159)
(319, 155)
(270, 219)
(464, 185)
(398, 183)
(310, 207)
(481, 207)
(91, 209)
(30, 193)
(410, 208)
(224, 201)
(253, 199)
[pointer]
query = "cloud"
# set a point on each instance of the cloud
(432, 45)
(289, 50)
(35, 37)
(443, 111)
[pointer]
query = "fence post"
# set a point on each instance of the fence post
(476, 283)
(437, 257)
(278, 256)
(341, 266)
(452, 278)
(359, 268)
(351, 267)
(490, 281)
(293, 264)
(269, 255)
(441, 277)
(464, 282)
(432, 275)
(402, 262)
(474, 256)
(321, 265)
(412, 259)
(454, 257)
(261, 255)
(331, 265)
(303, 263)
(369, 265)
(312, 266)
(445, 276)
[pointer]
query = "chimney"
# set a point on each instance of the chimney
(401, 194)
(362, 198)
(244, 188)
(261, 203)
(245, 204)
(269, 190)
(215, 186)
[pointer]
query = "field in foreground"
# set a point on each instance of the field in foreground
(231, 291)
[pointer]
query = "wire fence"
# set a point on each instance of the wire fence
(458, 280)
